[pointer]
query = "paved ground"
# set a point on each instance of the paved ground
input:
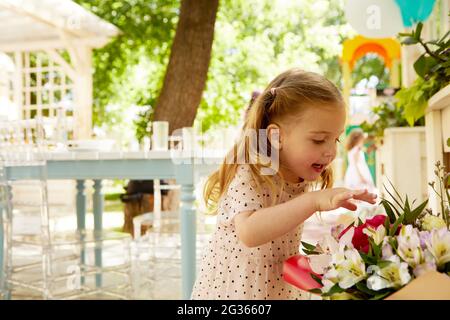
(154, 274)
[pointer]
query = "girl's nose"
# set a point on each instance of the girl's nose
(330, 153)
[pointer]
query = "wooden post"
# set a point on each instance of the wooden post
(82, 61)
(18, 83)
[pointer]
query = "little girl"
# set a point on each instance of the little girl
(358, 174)
(260, 216)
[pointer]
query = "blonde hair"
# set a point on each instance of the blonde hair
(353, 138)
(286, 95)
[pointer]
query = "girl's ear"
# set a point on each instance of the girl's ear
(274, 135)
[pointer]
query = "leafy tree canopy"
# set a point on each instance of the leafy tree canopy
(254, 41)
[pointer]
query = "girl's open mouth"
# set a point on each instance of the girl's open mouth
(318, 167)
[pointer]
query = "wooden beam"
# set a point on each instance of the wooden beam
(18, 83)
(94, 42)
(434, 152)
(83, 94)
(56, 57)
(17, 9)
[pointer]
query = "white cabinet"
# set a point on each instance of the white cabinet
(402, 159)
(437, 123)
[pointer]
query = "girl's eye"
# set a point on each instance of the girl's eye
(318, 141)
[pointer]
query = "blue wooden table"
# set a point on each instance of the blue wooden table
(138, 166)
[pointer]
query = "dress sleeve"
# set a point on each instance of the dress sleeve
(242, 195)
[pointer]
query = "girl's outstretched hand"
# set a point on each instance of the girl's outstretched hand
(330, 199)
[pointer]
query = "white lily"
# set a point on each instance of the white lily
(439, 246)
(428, 265)
(327, 284)
(377, 234)
(386, 250)
(394, 275)
(348, 269)
(409, 248)
(333, 252)
(336, 231)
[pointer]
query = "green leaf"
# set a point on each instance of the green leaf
(315, 291)
(334, 289)
(407, 207)
(387, 224)
(381, 295)
(363, 287)
(310, 252)
(360, 221)
(418, 31)
(436, 67)
(390, 213)
(396, 224)
(397, 213)
(393, 242)
(376, 249)
(368, 260)
(383, 263)
(423, 65)
(308, 246)
(396, 192)
(318, 280)
(412, 216)
(409, 41)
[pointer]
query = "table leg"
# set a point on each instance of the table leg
(81, 225)
(188, 239)
(6, 243)
(98, 226)
(2, 266)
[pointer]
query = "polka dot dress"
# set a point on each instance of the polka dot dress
(231, 270)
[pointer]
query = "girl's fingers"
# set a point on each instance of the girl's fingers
(367, 197)
(344, 196)
(360, 192)
(348, 205)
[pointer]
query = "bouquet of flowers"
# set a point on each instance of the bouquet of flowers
(375, 258)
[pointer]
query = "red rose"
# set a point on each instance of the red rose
(360, 240)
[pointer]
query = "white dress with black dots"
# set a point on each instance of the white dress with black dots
(231, 270)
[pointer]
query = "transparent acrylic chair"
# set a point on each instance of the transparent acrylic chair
(43, 261)
(157, 253)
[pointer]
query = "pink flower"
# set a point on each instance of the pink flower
(297, 271)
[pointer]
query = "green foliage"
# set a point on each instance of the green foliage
(257, 39)
(433, 69)
(129, 70)
(388, 115)
(254, 41)
(368, 66)
(402, 211)
(308, 249)
(414, 99)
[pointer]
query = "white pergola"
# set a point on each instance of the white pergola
(49, 44)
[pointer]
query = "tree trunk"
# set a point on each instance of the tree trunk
(188, 65)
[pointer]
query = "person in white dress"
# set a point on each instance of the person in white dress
(358, 174)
